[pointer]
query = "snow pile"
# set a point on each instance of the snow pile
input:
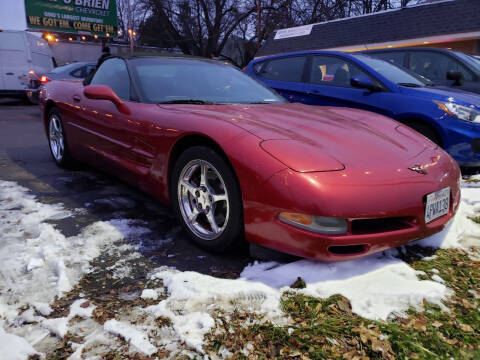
(14, 347)
(377, 286)
(136, 338)
(38, 261)
(149, 294)
(80, 308)
(193, 297)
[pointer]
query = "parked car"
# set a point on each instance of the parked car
(75, 70)
(448, 117)
(23, 56)
(234, 158)
(442, 66)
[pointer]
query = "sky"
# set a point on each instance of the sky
(12, 15)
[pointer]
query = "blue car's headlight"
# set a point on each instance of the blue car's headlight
(461, 112)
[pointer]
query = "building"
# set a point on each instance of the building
(451, 24)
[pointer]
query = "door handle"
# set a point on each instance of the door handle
(9, 73)
(76, 98)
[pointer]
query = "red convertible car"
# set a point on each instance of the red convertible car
(237, 161)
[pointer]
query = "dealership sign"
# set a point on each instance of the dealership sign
(73, 16)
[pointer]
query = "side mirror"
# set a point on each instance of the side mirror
(364, 82)
(104, 92)
(456, 76)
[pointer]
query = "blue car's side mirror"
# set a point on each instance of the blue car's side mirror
(364, 82)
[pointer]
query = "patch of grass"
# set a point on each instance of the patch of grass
(327, 328)
(475, 219)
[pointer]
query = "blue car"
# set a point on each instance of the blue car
(448, 117)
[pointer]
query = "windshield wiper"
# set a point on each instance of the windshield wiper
(187, 101)
(409, 85)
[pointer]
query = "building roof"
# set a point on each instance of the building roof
(420, 21)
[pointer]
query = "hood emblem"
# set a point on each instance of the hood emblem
(418, 169)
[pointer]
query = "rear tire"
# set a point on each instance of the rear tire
(206, 198)
(426, 131)
(57, 140)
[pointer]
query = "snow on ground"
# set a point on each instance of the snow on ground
(39, 262)
(193, 297)
(14, 347)
(136, 338)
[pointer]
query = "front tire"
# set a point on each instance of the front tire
(207, 200)
(57, 140)
(426, 131)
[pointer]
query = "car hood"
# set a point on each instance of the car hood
(312, 138)
(444, 93)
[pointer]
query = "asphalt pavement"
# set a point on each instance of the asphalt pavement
(25, 158)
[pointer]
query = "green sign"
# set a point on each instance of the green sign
(73, 16)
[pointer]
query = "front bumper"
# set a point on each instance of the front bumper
(289, 239)
(380, 215)
(462, 141)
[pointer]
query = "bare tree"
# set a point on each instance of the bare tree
(200, 27)
(131, 14)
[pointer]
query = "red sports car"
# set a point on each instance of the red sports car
(237, 161)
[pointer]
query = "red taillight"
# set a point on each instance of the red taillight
(44, 79)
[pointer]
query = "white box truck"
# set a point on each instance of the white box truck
(24, 57)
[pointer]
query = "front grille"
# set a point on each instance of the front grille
(380, 225)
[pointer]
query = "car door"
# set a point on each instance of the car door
(285, 75)
(328, 84)
(103, 128)
(435, 65)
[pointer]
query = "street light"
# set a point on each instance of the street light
(131, 33)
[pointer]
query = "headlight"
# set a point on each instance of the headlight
(461, 112)
(318, 224)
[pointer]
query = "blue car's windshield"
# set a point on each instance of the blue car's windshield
(395, 74)
(469, 59)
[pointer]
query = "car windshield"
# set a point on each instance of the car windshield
(175, 80)
(63, 68)
(395, 74)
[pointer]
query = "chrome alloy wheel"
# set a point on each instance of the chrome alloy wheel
(203, 199)
(57, 142)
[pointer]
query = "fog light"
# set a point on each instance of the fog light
(318, 224)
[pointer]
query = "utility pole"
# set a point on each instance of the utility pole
(259, 11)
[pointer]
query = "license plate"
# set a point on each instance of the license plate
(438, 204)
